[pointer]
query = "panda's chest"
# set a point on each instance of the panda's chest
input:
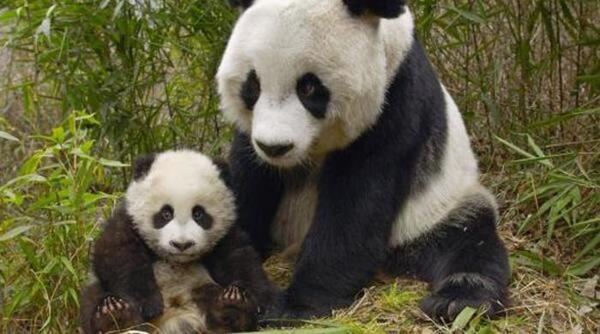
(176, 281)
(295, 214)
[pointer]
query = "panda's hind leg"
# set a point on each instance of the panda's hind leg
(464, 260)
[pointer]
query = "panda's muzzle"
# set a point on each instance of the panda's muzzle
(275, 151)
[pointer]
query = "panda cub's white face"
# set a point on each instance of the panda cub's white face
(303, 77)
(181, 207)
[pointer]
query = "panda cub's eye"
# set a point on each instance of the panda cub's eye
(250, 90)
(313, 95)
(201, 217)
(167, 213)
(163, 217)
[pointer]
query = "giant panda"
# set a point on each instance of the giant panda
(171, 255)
(348, 145)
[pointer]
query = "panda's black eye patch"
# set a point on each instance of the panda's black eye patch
(313, 95)
(163, 217)
(250, 90)
(201, 217)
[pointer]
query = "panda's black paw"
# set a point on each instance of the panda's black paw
(234, 310)
(458, 291)
(151, 307)
(114, 313)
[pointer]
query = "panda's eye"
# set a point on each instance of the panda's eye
(201, 217)
(306, 90)
(250, 90)
(166, 213)
(163, 216)
(313, 95)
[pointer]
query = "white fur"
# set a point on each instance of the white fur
(295, 215)
(458, 179)
(176, 282)
(182, 179)
(281, 40)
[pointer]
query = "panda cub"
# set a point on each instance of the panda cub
(167, 251)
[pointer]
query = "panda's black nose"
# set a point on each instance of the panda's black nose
(276, 150)
(182, 246)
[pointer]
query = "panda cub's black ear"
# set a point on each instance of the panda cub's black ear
(383, 8)
(142, 164)
(224, 172)
(244, 4)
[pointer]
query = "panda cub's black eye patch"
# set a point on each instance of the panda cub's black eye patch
(163, 217)
(250, 90)
(201, 217)
(313, 95)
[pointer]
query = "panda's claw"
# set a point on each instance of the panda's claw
(113, 313)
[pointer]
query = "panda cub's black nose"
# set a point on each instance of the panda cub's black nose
(182, 246)
(274, 151)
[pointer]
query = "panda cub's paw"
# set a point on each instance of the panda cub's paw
(113, 314)
(231, 309)
(236, 302)
(458, 291)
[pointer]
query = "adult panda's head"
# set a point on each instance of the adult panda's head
(180, 204)
(305, 77)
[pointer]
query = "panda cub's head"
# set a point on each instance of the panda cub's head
(306, 77)
(179, 204)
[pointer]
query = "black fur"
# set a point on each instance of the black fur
(234, 261)
(142, 164)
(361, 190)
(203, 218)
(123, 264)
(250, 91)
(383, 8)
(317, 99)
(229, 309)
(162, 217)
(241, 3)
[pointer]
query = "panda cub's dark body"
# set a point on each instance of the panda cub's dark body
(169, 249)
(348, 145)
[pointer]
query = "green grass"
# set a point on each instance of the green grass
(86, 86)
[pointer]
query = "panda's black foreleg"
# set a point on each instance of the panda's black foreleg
(349, 237)
(464, 260)
(124, 265)
(258, 189)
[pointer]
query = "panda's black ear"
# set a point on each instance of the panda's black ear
(224, 171)
(383, 8)
(244, 4)
(142, 164)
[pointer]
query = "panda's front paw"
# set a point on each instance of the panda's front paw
(113, 314)
(151, 307)
(233, 310)
(462, 290)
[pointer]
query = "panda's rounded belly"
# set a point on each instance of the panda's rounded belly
(176, 282)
